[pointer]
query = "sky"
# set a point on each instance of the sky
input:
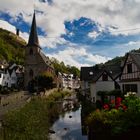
(77, 32)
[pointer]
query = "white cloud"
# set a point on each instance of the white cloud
(122, 14)
(106, 12)
(93, 34)
(71, 54)
(7, 26)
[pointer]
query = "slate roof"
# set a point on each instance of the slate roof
(94, 73)
(33, 38)
(136, 57)
(114, 70)
(46, 59)
(89, 73)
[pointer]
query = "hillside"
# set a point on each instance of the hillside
(11, 47)
(12, 50)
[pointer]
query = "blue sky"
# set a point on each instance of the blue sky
(77, 32)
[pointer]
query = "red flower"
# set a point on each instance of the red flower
(118, 101)
(112, 101)
(106, 106)
(124, 107)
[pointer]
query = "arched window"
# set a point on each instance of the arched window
(31, 73)
(31, 51)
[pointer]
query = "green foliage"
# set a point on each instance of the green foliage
(102, 93)
(61, 67)
(32, 122)
(116, 93)
(45, 80)
(117, 121)
(11, 48)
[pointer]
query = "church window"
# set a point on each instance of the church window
(31, 51)
(31, 73)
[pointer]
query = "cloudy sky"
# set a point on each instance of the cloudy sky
(78, 32)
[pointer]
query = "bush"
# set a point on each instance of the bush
(116, 93)
(117, 120)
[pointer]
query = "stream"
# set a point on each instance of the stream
(68, 126)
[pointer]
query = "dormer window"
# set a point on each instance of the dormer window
(129, 68)
(31, 51)
(104, 77)
(90, 73)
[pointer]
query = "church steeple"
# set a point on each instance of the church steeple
(33, 38)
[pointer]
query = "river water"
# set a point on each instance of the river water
(68, 126)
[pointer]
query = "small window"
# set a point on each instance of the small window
(31, 51)
(31, 73)
(129, 68)
(105, 77)
(130, 88)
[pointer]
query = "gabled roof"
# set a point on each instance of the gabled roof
(94, 73)
(90, 73)
(101, 73)
(46, 59)
(33, 38)
(136, 58)
(86, 73)
(114, 70)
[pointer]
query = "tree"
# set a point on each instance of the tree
(44, 81)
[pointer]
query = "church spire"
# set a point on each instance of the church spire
(33, 38)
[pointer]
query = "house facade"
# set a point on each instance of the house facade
(12, 76)
(103, 82)
(94, 79)
(68, 81)
(130, 77)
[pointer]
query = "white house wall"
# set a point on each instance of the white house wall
(13, 77)
(1, 79)
(93, 91)
(6, 80)
(101, 86)
(104, 86)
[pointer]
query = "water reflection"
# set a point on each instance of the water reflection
(68, 126)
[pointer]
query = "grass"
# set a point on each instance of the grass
(33, 121)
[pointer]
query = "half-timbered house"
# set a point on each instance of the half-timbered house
(130, 77)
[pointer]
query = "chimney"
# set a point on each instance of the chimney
(17, 31)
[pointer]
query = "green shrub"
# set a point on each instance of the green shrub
(117, 120)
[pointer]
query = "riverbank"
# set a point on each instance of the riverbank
(34, 119)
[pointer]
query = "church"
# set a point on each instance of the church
(35, 61)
